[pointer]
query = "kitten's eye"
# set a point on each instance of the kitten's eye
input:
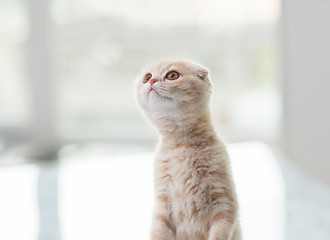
(147, 77)
(172, 75)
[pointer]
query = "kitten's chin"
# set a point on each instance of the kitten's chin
(158, 102)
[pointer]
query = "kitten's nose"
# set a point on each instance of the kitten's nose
(152, 81)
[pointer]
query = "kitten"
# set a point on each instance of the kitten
(194, 190)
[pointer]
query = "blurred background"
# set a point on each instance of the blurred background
(67, 71)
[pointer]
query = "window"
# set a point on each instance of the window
(15, 109)
(91, 51)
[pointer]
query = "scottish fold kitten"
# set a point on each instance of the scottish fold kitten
(194, 190)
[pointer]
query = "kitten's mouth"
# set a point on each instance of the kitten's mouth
(161, 96)
(152, 89)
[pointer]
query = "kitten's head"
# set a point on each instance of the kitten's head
(172, 88)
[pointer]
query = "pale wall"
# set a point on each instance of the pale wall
(306, 84)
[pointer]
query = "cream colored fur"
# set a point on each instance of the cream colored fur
(194, 190)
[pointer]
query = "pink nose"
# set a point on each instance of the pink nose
(152, 81)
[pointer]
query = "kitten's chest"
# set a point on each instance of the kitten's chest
(187, 188)
(189, 203)
(183, 175)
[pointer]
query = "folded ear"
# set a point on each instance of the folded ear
(201, 72)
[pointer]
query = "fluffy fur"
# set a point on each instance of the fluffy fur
(194, 190)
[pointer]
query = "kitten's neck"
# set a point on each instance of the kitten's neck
(188, 130)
